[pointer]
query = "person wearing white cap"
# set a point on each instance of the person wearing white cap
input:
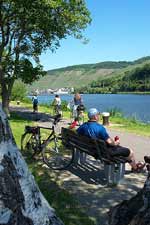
(95, 130)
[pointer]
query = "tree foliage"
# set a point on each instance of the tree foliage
(19, 91)
(27, 28)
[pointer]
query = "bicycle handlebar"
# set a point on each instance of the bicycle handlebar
(35, 129)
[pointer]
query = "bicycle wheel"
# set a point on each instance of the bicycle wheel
(57, 156)
(81, 119)
(29, 143)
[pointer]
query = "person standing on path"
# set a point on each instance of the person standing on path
(77, 101)
(35, 103)
(95, 130)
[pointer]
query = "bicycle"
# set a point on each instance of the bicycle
(78, 113)
(54, 152)
(57, 110)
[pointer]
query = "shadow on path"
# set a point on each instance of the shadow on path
(29, 115)
(87, 183)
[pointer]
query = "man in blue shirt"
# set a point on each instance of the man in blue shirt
(95, 130)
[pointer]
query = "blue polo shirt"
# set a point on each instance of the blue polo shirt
(94, 130)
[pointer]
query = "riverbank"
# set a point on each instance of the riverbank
(130, 105)
(117, 121)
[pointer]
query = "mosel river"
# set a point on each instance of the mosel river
(131, 105)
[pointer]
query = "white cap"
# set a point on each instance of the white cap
(92, 112)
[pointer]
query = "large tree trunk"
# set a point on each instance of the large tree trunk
(4, 92)
(21, 202)
(131, 212)
(5, 99)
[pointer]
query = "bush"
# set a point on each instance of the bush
(19, 91)
(27, 100)
(64, 104)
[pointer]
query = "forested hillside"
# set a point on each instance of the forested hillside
(133, 80)
(100, 77)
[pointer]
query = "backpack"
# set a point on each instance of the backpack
(35, 101)
(80, 107)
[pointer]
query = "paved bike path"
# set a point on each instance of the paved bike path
(139, 144)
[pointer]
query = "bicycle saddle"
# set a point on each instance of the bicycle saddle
(31, 130)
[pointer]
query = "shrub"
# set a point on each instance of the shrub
(19, 91)
(64, 104)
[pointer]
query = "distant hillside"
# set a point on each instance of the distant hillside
(83, 75)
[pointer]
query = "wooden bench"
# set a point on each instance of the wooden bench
(114, 167)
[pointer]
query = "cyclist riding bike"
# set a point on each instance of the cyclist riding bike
(57, 105)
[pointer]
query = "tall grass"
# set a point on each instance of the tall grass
(115, 112)
(130, 124)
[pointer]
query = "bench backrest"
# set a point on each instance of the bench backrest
(95, 148)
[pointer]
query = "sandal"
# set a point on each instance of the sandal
(147, 159)
(140, 167)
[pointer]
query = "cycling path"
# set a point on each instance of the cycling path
(87, 184)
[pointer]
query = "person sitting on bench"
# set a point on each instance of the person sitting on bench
(95, 130)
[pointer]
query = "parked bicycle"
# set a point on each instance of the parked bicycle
(55, 154)
(77, 112)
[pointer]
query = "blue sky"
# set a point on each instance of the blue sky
(119, 31)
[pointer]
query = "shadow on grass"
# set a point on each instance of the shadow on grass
(67, 208)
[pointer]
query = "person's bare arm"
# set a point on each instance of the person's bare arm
(111, 142)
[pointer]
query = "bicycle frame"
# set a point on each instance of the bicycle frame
(50, 138)
(55, 155)
(36, 133)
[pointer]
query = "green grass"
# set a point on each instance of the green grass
(130, 125)
(119, 122)
(17, 125)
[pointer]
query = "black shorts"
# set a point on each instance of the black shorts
(35, 107)
(119, 151)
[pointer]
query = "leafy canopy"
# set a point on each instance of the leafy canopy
(32, 26)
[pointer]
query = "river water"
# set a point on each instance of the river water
(131, 105)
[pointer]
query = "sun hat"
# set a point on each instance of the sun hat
(92, 112)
